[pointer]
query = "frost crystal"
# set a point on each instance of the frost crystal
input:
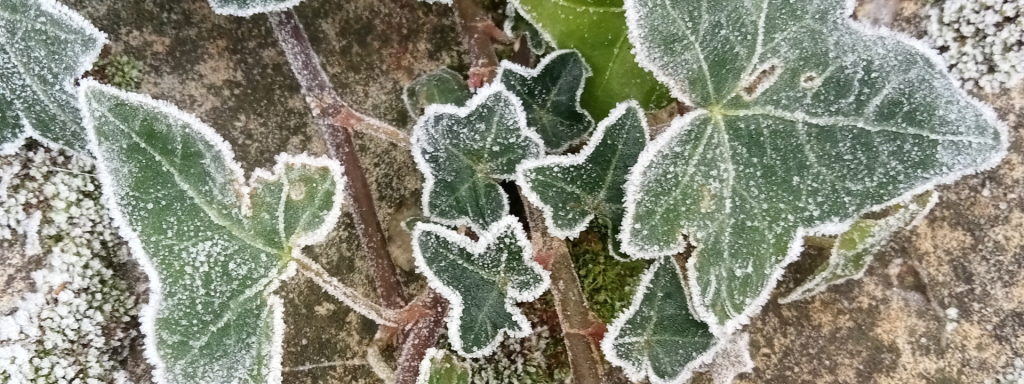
(983, 41)
(246, 8)
(803, 121)
(214, 247)
(482, 280)
(75, 327)
(574, 189)
(463, 152)
(44, 47)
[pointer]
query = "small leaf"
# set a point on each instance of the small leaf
(439, 367)
(463, 152)
(482, 280)
(443, 86)
(246, 8)
(517, 25)
(213, 248)
(551, 97)
(44, 47)
(658, 337)
(803, 121)
(572, 190)
(597, 29)
(856, 248)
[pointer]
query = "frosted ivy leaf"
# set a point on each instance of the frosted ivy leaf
(463, 152)
(482, 280)
(551, 97)
(44, 47)
(574, 189)
(213, 247)
(803, 121)
(439, 367)
(517, 25)
(657, 337)
(854, 250)
(246, 8)
(443, 86)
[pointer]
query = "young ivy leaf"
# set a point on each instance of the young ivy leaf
(551, 97)
(44, 47)
(439, 367)
(803, 121)
(443, 86)
(482, 280)
(214, 249)
(463, 152)
(657, 336)
(856, 248)
(597, 29)
(517, 25)
(246, 8)
(572, 190)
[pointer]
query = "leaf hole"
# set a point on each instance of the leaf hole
(760, 81)
(810, 80)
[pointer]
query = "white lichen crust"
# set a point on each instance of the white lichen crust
(983, 41)
(74, 327)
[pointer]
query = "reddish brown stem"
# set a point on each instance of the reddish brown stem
(422, 336)
(327, 107)
(479, 34)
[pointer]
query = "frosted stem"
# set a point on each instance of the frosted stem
(479, 34)
(346, 294)
(422, 336)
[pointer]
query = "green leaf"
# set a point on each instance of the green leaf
(597, 29)
(658, 337)
(44, 47)
(572, 190)
(803, 121)
(246, 8)
(856, 248)
(443, 86)
(214, 248)
(463, 152)
(517, 25)
(551, 97)
(482, 281)
(439, 367)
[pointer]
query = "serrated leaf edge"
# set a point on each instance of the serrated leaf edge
(571, 160)
(84, 65)
(424, 376)
(513, 296)
(680, 124)
(405, 89)
(249, 11)
(436, 109)
(635, 373)
(531, 73)
(148, 312)
(799, 294)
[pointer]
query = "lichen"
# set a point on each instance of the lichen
(983, 41)
(75, 327)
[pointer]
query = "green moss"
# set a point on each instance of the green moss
(607, 283)
(121, 71)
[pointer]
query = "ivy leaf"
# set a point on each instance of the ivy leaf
(439, 367)
(572, 190)
(443, 86)
(246, 8)
(551, 97)
(214, 249)
(482, 281)
(856, 248)
(517, 25)
(803, 121)
(44, 47)
(463, 152)
(657, 336)
(597, 29)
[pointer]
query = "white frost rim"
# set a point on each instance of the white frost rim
(638, 373)
(534, 72)
(222, 7)
(420, 143)
(454, 318)
(86, 62)
(680, 124)
(148, 313)
(572, 160)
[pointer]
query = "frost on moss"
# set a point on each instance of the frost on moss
(983, 41)
(75, 328)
